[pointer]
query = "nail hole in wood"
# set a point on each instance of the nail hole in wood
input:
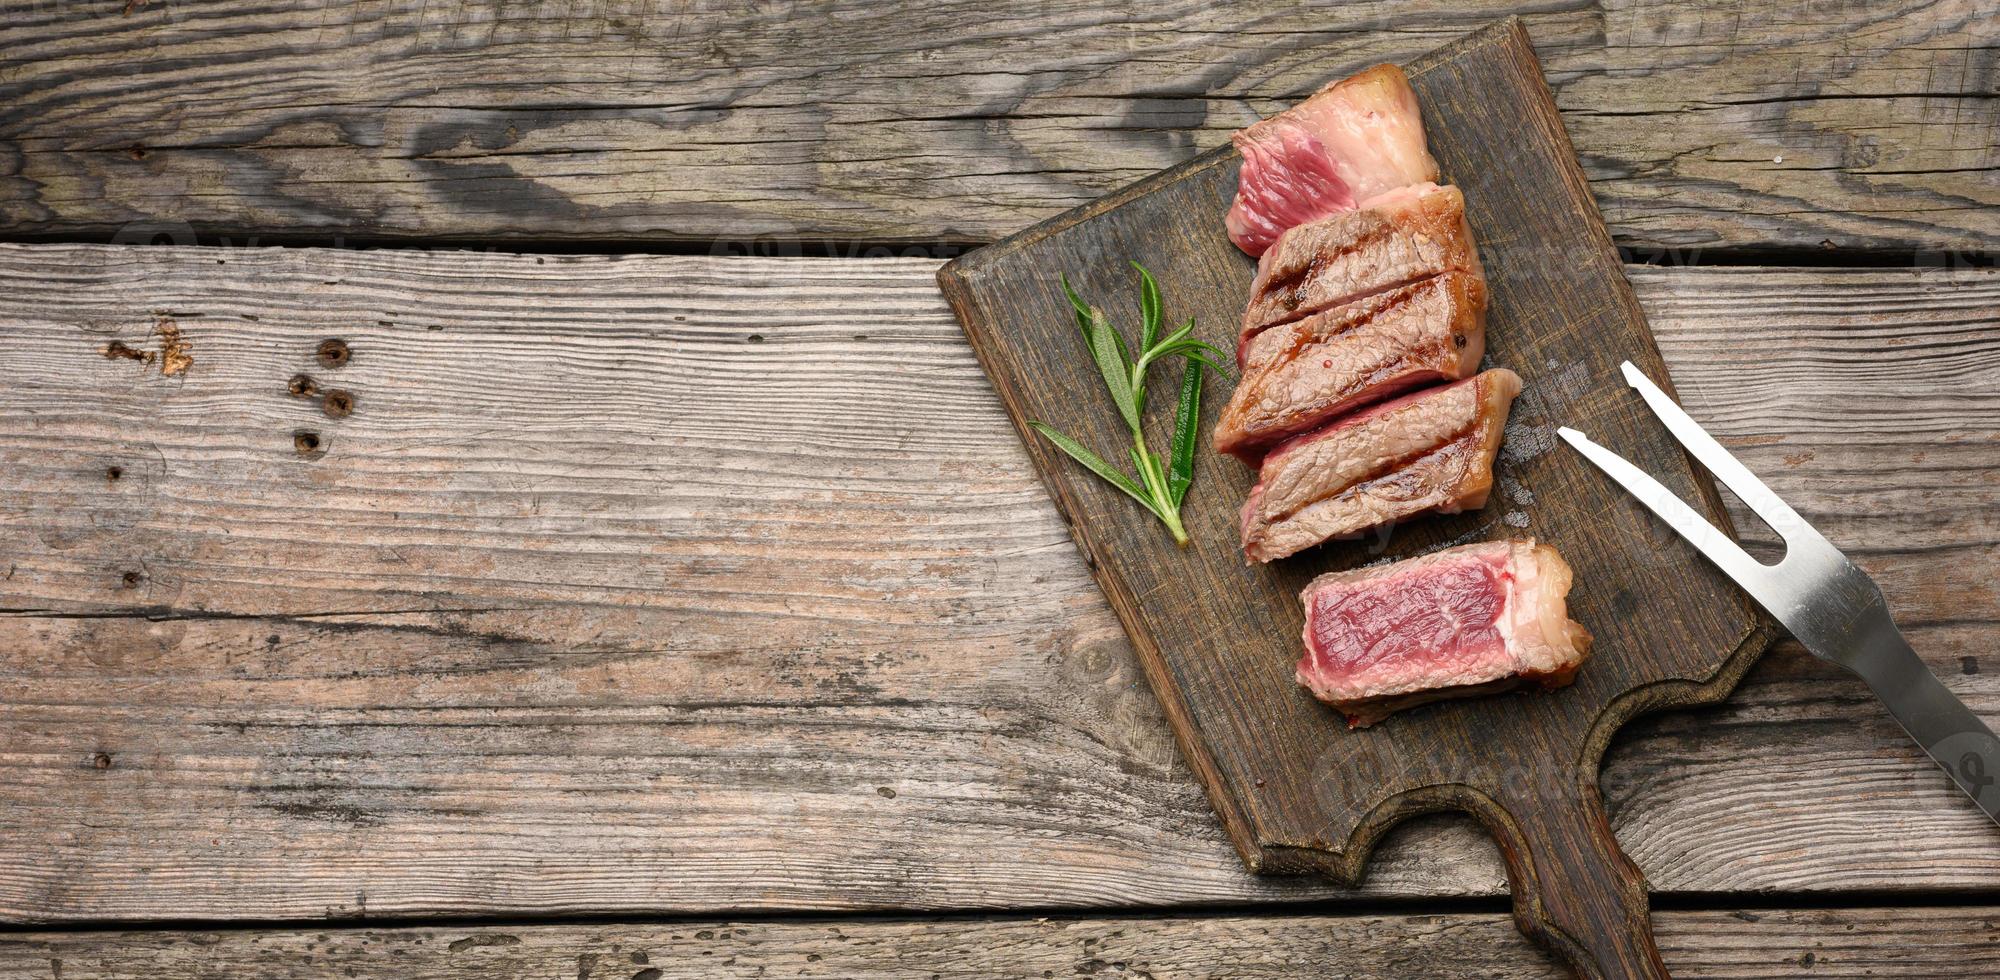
(333, 352)
(306, 443)
(101, 760)
(338, 404)
(113, 473)
(132, 579)
(302, 385)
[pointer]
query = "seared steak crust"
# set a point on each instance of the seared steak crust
(1298, 375)
(1399, 238)
(1430, 451)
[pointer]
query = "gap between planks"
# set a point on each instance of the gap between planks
(1923, 942)
(1830, 259)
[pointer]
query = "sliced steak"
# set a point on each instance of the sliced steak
(1352, 140)
(1399, 238)
(1298, 375)
(1430, 451)
(1458, 622)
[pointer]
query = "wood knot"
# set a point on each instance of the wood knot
(119, 349)
(174, 356)
(338, 403)
(333, 352)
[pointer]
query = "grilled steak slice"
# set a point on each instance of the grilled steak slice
(1352, 140)
(1298, 375)
(1430, 451)
(1458, 622)
(1401, 237)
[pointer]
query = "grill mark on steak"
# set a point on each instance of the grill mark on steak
(1292, 300)
(1387, 300)
(1375, 349)
(1406, 236)
(1287, 286)
(1428, 451)
(1414, 476)
(1402, 468)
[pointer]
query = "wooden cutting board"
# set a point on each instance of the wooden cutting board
(1297, 790)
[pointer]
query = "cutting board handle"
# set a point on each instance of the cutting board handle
(1575, 892)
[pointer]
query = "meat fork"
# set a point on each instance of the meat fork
(1832, 607)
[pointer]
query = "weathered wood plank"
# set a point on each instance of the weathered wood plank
(648, 584)
(1929, 944)
(1760, 124)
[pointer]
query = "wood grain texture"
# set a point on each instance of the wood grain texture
(1916, 943)
(1763, 123)
(597, 604)
(1297, 791)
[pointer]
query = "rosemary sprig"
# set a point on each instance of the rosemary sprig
(1162, 483)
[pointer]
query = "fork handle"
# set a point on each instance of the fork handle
(1956, 739)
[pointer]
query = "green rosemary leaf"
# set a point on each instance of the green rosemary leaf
(1162, 481)
(1107, 348)
(1180, 333)
(1187, 429)
(1082, 309)
(1149, 308)
(1096, 464)
(1206, 362)
(1197, 349)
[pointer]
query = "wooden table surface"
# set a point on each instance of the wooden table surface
(672, 597)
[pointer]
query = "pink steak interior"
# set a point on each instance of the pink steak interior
(1435, 626)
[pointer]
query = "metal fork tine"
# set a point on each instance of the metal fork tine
(1720, 462)
(1733, 560)
(1832, 607)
